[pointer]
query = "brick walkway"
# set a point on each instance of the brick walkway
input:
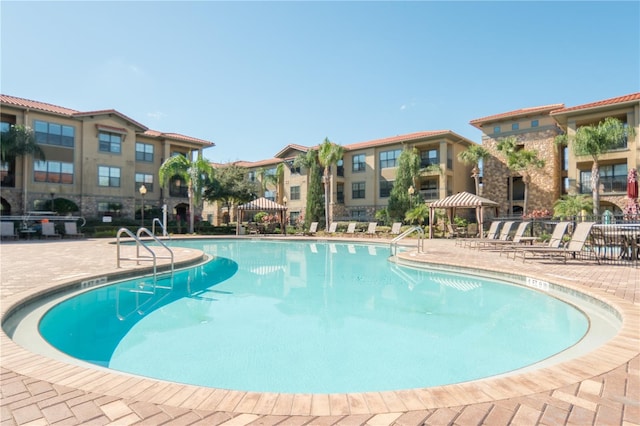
(601, 388)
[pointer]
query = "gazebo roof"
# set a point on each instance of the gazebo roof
(262, 204)
(463, 199)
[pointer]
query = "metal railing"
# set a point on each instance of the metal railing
(152, 257)
(164, 230)
(393, 245)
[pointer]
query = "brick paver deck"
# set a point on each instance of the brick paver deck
(600, 388)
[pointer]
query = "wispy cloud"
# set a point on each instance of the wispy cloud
(157, 116)
(407, 106)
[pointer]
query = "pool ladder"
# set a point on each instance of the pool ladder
(393, 245)
(151, 257)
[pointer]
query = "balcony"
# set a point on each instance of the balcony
(607, 185)
(430, 194)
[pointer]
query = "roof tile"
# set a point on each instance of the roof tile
(606, 102)
(515, 113)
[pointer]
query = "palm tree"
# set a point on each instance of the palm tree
(275, 179)
(194, 173)
(473, 155)
(418, 213)
(595, 141)
(20, 141)
(571, 205)
(520, 161)
(329, 154)
(309, 162)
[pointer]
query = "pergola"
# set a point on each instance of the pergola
(263, 205)
(461, 200)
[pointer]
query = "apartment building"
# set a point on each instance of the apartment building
(614, 164)
(361, 183)
(536, 128)
(96, 159)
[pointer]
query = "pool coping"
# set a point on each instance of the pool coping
(619, 350)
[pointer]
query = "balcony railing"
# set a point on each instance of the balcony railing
(180, 191)
(430, 194)
(607, 184)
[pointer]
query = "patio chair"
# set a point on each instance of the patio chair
(351, 228)
(554, 242)
(518, 237)
(371, 229)
(333, 228)
(71, 230)
(8, 230)
(313, 228)
(49, 230)
(395, 228)
(573, 247)
(491, 234)
(504, 236)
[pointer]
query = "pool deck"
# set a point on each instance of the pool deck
(599, 388)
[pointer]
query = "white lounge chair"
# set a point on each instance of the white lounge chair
(313, 228)
(49, 230)
(351, 228)
(371, 229)
(333, 227)
(573, 247)
(395, 228)
(71, 230)
(8, 230)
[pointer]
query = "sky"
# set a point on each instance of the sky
(254, 77)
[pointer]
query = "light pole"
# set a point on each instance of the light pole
(411, 190)
(143, 190)
(52, 192)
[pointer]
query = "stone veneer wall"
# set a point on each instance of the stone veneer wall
(546, 182)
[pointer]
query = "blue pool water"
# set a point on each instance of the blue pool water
(300, 317)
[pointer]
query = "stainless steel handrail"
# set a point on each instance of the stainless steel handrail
(393, 245)
(164, 230)
(156, 239)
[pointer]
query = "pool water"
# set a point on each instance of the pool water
(301, 317)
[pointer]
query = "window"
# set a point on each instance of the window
(54, 134)
(146, 179)
(613, 178)
(53, 172)
(251, 176)
(293, 218)
(385, 188)
(340, 167)
(534, 123)
(340, 193)
(144, 152)
(110, 142)
(294, 192)
(178, 187)
(496, 129)
(357, 190)
(106, 208)
(429, 158)
(270, 195)
(359, 214)
(358, 163)
(108, 176)
(515, 126)
(429, 189)
(389, 158)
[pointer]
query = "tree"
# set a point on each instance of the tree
(418, 213)
(20, 141)
(230, 187)
(570, 206)
(473, 155)
(314, 207)
(196, 173)
(406, 176)
(595, 141)
(520, 161)
(329, 154)
(276, 179)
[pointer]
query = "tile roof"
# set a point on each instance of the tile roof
(54, 109)
(41, 106)
(522, 112)
(399, 138)
(633, 97)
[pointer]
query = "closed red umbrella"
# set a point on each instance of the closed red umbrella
(632, 184)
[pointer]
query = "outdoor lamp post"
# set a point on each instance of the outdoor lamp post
(52, 193)
(143, 190)
(411, 190)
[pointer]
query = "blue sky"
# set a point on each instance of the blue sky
(253, 77)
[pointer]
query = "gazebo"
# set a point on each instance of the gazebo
(461, 200)
(263, 205)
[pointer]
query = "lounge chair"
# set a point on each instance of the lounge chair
(351, 228)
(371, 229)
(554, 242)
(49, 230)
(313, 228)
(491, 234)
(573, 247)
(504, 236)
(518, 237)
(333, 228)
(71, 230)
(395, 228)
(8, 230)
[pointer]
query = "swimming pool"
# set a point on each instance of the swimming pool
(300, 317)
